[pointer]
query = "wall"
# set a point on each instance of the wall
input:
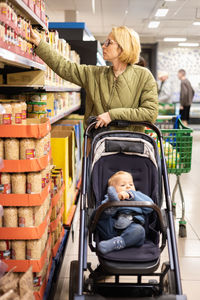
(172, 59)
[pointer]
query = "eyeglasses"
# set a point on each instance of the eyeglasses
(109, 42)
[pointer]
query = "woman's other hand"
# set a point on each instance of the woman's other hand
(103, 120)
(35, 37)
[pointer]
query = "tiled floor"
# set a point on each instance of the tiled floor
(189, 248)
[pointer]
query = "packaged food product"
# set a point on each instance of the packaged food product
(18, 182)
(35, 97)
(48, 170)
(10, 217)
(1, 149)
(10, 294)
(44, 239)
(37, 115)
(18, 250)
(26, 283)
(34, 183)
(11, 149)
(53, 213)
(29, 107)
(38, 214)
(5, 183)
(24, 108)
(25, 216)
(6, 116)
(27, 149)
(47, 142)
(16, 113)
(43, 176)
(5, 251)
(40, 147)
(39, 106)
(34, 249)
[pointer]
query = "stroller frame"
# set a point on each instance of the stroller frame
(81, 289)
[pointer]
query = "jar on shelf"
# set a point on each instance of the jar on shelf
(27, 149)
(11, 149)
(18, 183)
(6, 115)
(16, 113)
(5, 183)
(34, 183)
(10, 218)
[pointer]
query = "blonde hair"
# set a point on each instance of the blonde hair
(113, 177)
(129, 42)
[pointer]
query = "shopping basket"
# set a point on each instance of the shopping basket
(177, 142)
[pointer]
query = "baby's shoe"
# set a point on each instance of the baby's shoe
(112, 194)
(116, 243)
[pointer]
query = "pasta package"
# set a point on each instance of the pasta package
(1, 149)
(34, 249)
(5, 183)
(18, 250)
(43, 176)
(16, 113)
(10, 217)
(34, 183)
(25, 216)
(18, 182)
(24, 108)
(6, 116)
(11, 149)
(38, 215)
(5, 250)
(40, 147)
(27, 149)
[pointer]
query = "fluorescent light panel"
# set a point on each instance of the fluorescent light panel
(153, 24)
(168, 39)
(196, 23)
(188, 44)
(170, 0)
(161, 12)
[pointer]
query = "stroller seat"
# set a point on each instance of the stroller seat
(144, 259)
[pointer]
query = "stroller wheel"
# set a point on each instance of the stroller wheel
(73, 280)
(169, 286)
(182, 230)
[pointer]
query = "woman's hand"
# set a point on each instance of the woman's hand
(103, 120)
(35, 37)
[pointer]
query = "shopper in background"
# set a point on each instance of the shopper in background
(123, 91)
(186, 96)
(164, 88)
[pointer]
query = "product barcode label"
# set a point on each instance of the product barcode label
(30, 153)
(7, 119)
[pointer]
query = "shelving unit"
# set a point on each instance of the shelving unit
(29, 88)
(28, 13)
(64, 114)
(14, 59)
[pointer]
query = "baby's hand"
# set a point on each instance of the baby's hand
(123, 195)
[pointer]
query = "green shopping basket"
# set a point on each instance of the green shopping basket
(177, 145)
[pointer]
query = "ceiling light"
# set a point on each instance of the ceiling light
(167, 39)
(188, 44)
(153, 24)
(196, 23)
(161, 12)
(170, 0)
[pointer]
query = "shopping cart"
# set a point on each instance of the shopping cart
(178, 154)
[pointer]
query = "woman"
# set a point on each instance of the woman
(124, 91)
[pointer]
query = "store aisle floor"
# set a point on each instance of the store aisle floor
(189, 248)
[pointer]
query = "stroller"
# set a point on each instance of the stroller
(136, 153)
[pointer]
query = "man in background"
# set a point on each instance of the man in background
(164, 88)
(186, 97)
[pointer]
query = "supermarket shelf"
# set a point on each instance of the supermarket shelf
(40, 88)
(64, 114)
(28, 12)
(12, 58)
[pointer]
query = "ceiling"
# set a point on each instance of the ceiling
(132, 13)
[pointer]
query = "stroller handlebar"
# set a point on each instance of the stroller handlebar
(122, 123)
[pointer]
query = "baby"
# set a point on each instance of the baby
(121, 227)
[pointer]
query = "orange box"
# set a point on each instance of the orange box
(33, 128)
(25, 199)
(25, 233)
(24, 265)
